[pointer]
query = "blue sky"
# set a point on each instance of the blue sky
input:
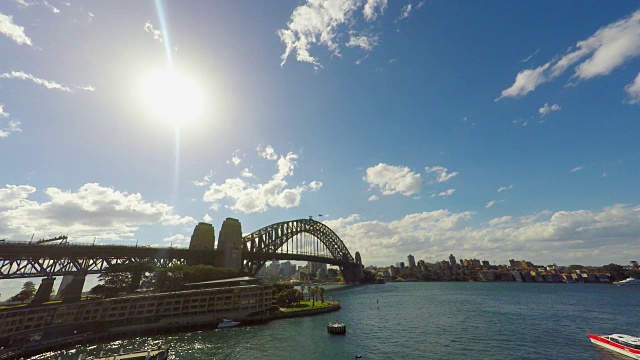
(491, 130)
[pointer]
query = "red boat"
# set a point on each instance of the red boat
(620, 343)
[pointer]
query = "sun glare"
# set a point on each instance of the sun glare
(173, 97)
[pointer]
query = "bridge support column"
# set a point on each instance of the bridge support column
(136, 278)
(230, 245)
(44, 291)
(73, 291)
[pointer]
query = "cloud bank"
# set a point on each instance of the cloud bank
(250, 198)
(564, 237)
(607, 49)
(91, 211)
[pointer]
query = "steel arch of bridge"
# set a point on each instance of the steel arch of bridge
(263, 245)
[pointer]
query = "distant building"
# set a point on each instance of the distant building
(454, 265)
(400, 264)
(412, 262)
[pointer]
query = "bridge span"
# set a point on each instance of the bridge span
(298, 240)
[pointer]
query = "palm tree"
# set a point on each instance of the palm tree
(322, 295)
(316, 292)
(302, 290)
(313, 299)
(310, 289)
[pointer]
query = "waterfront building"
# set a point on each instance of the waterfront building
(199, 304)
(517, 276)
(393, 271)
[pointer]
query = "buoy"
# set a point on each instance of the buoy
(337, 328)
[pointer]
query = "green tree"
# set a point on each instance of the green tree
(316, 292)
(575, 267)
(27, 292)
(616, 272)
(302, 291)
(288, 297)
(113, 283)
(322, 295)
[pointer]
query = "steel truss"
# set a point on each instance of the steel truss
(266, 243)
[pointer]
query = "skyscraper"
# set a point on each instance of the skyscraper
(412, 262)
(454, 265)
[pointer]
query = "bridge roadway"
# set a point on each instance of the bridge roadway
(22, 260)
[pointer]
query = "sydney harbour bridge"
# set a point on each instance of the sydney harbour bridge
(301, 240)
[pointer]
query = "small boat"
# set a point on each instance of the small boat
(158, 354)
(628, 282)
(337, 328)
(227, 323)
(620, 343)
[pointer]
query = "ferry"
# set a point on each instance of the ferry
(620, 343)
(227, 323)
(628, 282)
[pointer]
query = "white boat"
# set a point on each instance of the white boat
(227, 323)
(159, 354)
(627, 282)
(620, 343)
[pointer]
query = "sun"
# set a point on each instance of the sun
(173, 97)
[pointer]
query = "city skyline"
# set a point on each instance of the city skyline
(412, 127)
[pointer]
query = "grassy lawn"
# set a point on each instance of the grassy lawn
(305, 305)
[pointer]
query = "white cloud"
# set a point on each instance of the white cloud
(315, 22)
(530, 56)
(91, 211)
(393, 179)
(12, 126)
(206, 218)
(366, 43)
(206, 180)
(177, 240)
(504, 188)
(521, 122)
(447, 193)
(373, 197)
(489, 204)
(250, 198)
(267, 153)
(157, 34)
(315, 185)
(420, 5)
(235, 159)
(565, 237)
(405, 11)
(51, 7)
(246, 173)
(369, 11)
(441, 173)
(633, 90)
(46, 83)
(577, 168)
(608, 48)
(13, 31)
(547, 109)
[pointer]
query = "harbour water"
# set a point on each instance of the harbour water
(448, 320)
